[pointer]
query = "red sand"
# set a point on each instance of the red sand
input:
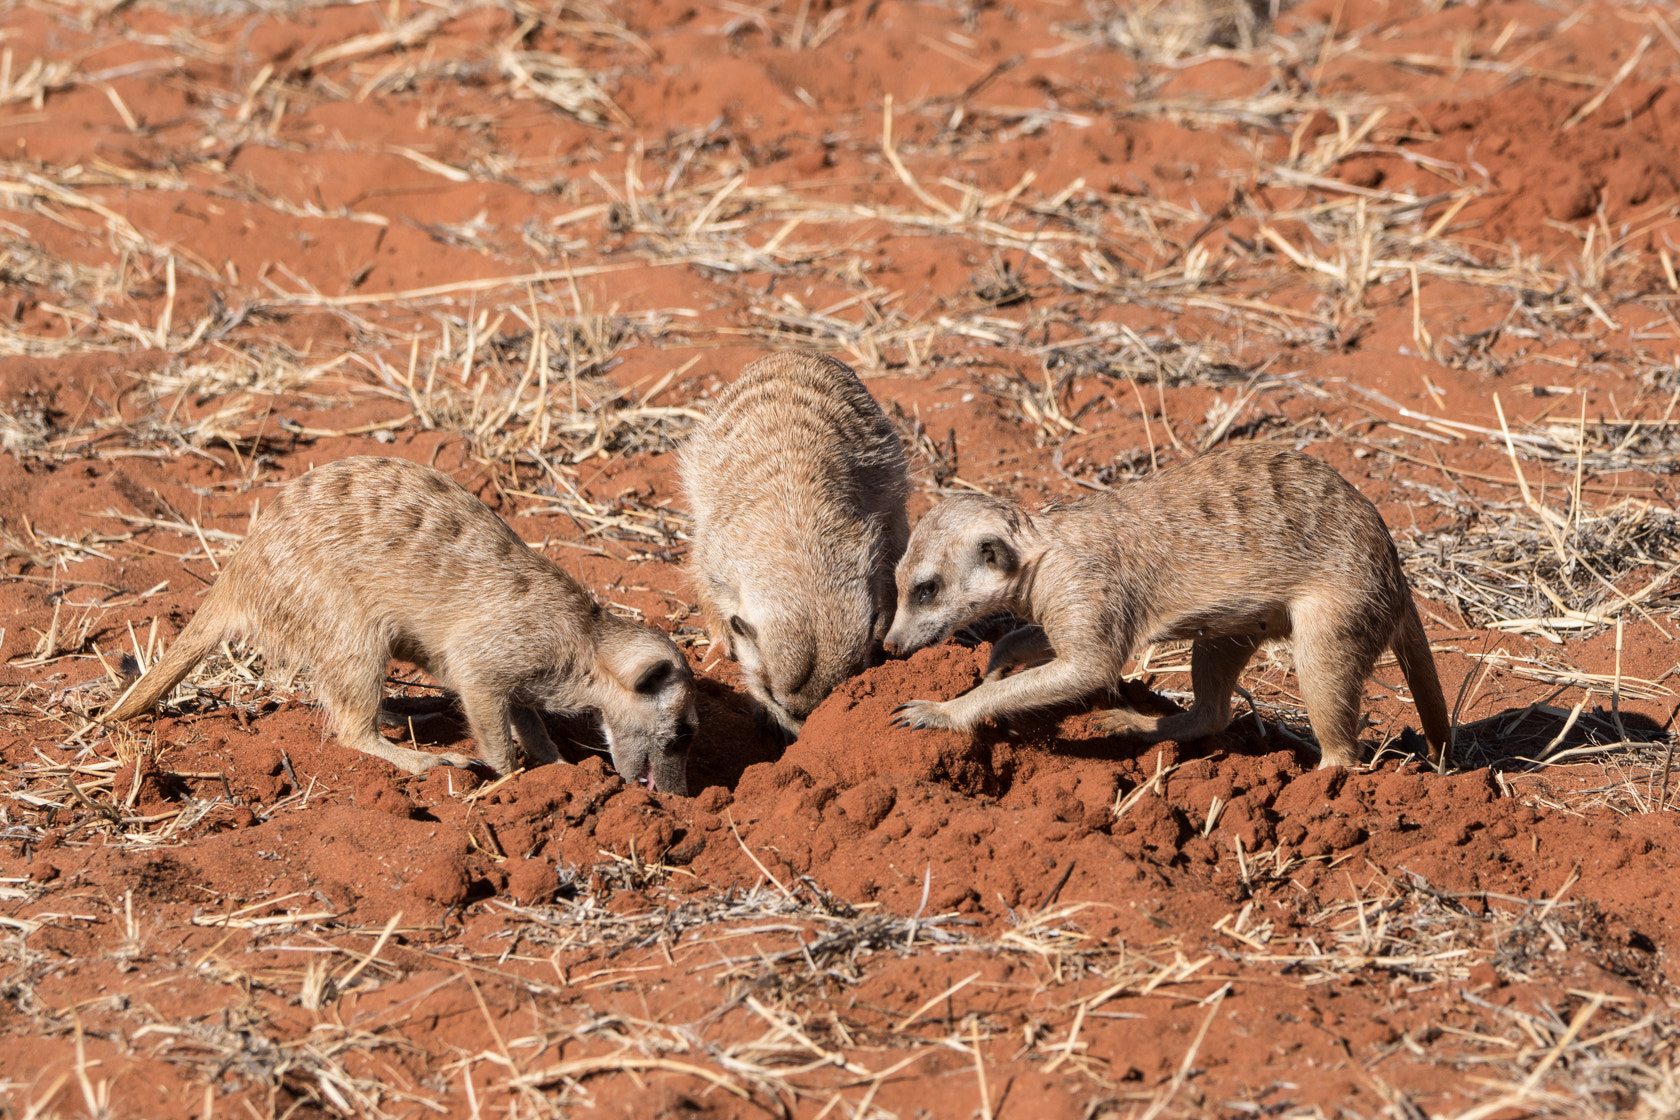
(1095, 927)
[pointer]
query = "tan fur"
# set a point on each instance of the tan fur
(797, 483)
(1231, 549)
(367, 559)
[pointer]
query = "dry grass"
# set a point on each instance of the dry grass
(1510, 570)
(783, 957)
(1167, 30)
(781, 1034)
(1544, 1063)
(518, 365)
(527, 383)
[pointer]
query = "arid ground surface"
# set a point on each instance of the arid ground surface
(1066, 245)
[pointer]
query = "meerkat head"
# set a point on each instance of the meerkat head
(644, 691)
(777, 662)
(961, 564)
(795, 649)
(804, 624)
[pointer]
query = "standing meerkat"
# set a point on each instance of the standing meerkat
(1230, 549)
(797, 483)
(366, 559)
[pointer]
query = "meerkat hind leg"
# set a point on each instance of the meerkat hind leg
(351, 695)
(1215, 666)
(1332, 673)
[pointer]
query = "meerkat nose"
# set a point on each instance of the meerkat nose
(893, 648)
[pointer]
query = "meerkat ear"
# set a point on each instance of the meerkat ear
(996, 554)
(743, 628)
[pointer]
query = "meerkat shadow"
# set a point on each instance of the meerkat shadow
(1546, 734)
(576, 737)
(438, 721)
(1073, 731)
(427, 721)
(399, 707)
(1059, 733)
(1527, 738)
(989, 629)
(733, 735)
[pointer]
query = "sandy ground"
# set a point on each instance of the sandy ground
(1065, 245)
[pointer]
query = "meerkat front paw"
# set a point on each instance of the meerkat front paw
(924, 715)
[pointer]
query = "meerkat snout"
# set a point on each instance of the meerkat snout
(786, 668)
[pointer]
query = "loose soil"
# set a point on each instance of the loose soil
(1065, 246)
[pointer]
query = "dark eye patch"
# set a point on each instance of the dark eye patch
(654, 678)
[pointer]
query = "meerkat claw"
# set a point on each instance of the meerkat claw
(921, 715)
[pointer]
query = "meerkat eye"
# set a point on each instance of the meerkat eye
(925, 592)
(742, 628)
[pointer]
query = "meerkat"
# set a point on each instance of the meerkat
(797, 483)
(366, 559)
(1230, 549)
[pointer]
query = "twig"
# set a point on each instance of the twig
(765, 871)
(1598, 98)
(1160, 1103)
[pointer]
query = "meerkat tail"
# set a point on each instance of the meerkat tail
(199, 640)
(1411, 649)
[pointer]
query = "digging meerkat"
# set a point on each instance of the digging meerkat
(1231, 549)
(797, 483)
(366, 559)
